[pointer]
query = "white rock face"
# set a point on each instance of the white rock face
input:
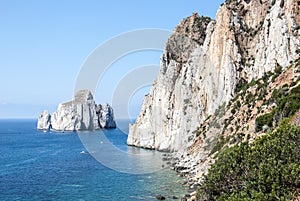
(44, 121)
(278, 39)
(200, 72)
(106, 116)
(80, 114)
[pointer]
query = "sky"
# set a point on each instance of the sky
(43, 45)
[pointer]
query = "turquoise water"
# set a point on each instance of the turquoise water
(49, 166)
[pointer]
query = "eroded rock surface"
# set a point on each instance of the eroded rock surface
(81, 113)
(205, 60)
(44, 121)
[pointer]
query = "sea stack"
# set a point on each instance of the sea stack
(81, 113)
(44, 121)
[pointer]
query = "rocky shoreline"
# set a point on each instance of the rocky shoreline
(185, 172)
(194, 164)
(215, 80)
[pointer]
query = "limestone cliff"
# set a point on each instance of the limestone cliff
(105, 116)
(44, 121)
(257, 108)
(79, 114)
(205, 61)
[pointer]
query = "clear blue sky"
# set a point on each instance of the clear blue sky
(44, 43)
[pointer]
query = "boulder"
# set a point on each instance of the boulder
(160, 197)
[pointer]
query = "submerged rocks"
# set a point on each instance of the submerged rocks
(79, 114)
(160, 197)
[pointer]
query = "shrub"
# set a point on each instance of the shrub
(238, 104)
(219, 145)
(288, 103)
(268, 169)
(220, 111)
(243, 85)
(293, 84)
(264, 120)
(233, 111)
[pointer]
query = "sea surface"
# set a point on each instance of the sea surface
(42, 166)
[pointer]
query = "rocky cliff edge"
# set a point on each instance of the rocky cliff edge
(206, 60)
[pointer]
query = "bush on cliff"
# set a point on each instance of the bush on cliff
(288, 103)
(268, 169)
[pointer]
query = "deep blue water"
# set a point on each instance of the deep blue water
(49, 166)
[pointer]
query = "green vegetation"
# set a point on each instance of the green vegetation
(243, 85)
(219, 145)
(262, 83)
(249, 93)
(264, 120)
(288, 103)
(220, 111)
(268, 169)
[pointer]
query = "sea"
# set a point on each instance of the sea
(42, 166)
